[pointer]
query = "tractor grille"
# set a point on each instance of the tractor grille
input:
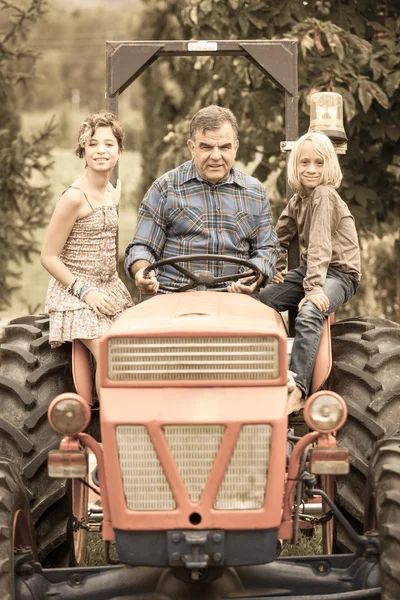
(193, 359)
(245, 481)
(145, 485)
(194, 448)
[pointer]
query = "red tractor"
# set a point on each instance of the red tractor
(199, 474)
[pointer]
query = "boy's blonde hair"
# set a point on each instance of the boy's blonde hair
(331, 173)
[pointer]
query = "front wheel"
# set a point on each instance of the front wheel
(383, 512)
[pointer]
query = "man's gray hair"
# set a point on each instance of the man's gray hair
(212, 117)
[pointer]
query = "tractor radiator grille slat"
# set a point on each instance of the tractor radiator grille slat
(191, 359)
(194, 449)
(245, 481)
(143, 478)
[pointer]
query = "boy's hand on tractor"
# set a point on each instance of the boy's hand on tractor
(243, 286)
(320, 300)
(279, 277)
(147, 284)
(100, 303)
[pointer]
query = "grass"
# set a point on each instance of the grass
(95, 556)
(305, 546)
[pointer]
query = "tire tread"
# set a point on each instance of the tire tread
(363, 373)
(31, 375)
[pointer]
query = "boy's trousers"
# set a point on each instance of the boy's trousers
(339, 288)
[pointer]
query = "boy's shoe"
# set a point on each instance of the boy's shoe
(295, 401)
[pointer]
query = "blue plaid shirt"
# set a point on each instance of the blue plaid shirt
(183, 214)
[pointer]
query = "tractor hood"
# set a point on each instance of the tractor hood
(195, 339)
(198, 313)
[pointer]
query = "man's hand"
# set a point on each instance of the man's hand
(279, 277)
(320, 300)
(241, 287)
(147, 284)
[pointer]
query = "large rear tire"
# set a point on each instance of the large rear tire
(31, 375)
(366, 365)
(384, 513)
(16, 530)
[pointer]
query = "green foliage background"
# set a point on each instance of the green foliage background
(22, 203)
(348, 47)
(48, 50)
(52, 48)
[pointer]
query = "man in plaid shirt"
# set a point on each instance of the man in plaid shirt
(204, 206)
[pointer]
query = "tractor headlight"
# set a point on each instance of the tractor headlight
(325, 412)
(69, 414)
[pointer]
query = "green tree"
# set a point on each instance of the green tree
(349, 47)
(23, 195)
(72, 40)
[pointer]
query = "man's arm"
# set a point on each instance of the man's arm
(264, 246)
(148, 240)
(286, 229)
(139, 265)
(148, 283)
(263, 251)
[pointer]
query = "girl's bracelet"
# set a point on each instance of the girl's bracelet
(81, 290)
(86, 288)
(70, 288)
(78, 289)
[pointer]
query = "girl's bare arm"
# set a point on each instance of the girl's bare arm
(68, 209)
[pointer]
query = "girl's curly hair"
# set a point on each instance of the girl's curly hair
(91, 123)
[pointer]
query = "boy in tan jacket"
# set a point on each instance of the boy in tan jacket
(330, 273)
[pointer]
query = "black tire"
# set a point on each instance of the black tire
(384, 513)
(16, 529)
(31, 375)
(365, 372)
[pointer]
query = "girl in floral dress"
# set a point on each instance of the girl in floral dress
(85, 294)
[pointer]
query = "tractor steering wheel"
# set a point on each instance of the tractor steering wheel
(203, 280)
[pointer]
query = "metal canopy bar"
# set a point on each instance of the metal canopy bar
(128, 61)
(277, 59)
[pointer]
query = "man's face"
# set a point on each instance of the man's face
(214, 152)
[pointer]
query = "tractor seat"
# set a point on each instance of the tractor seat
(323, 363)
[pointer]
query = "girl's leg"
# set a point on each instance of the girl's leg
(94, 346)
